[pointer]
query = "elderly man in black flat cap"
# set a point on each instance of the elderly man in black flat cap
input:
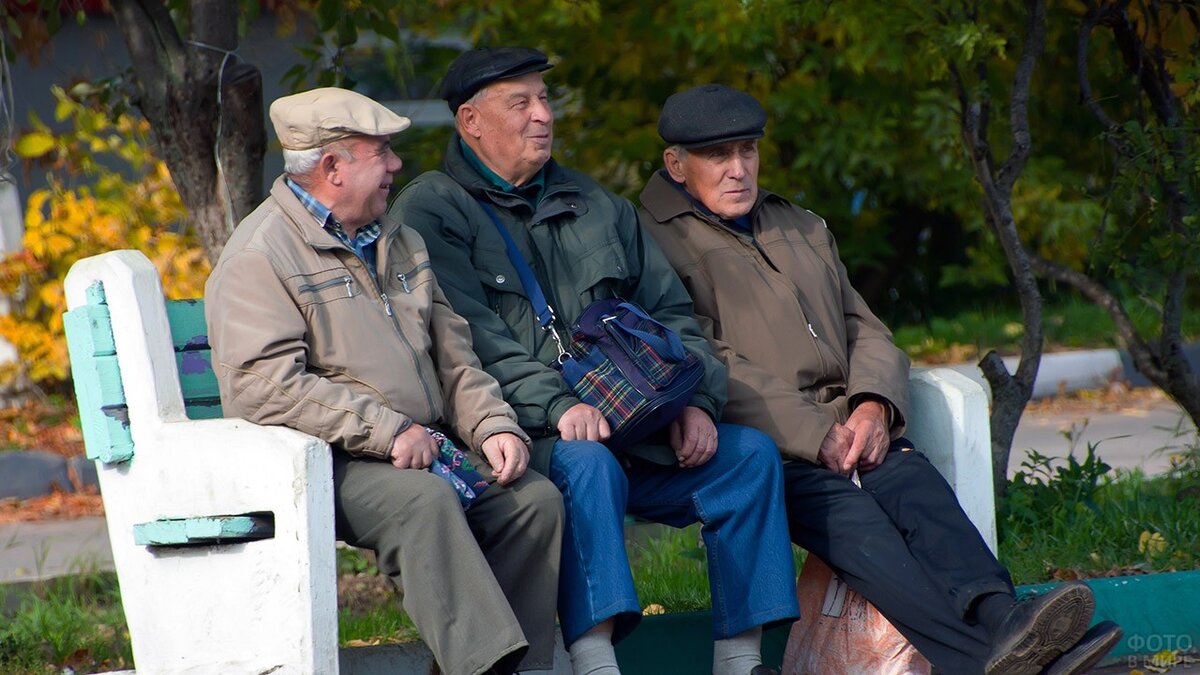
(812, 366)
(583, 244)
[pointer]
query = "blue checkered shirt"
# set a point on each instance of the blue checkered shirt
(363, 242)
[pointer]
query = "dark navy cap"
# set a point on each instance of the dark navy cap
(476, 69)
(710, 114)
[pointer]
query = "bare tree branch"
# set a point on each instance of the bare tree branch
(1035, 41)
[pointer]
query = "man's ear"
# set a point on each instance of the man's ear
(468, 120)
(328, 168)
(674, 164)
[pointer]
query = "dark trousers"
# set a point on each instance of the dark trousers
(903, 542)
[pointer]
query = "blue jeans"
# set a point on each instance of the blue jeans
(737, 495)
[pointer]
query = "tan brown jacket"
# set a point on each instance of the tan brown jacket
(800, 344)
(305, 338)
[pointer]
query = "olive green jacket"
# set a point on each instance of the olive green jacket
(303, 336)
(800, 343)
(583, 243)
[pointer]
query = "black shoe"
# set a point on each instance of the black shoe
(763, 670)
(1036, 631)
(1098, 641)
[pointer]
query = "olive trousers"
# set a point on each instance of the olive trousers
(481, 584)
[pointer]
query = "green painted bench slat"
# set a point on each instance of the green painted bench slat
(188, 329)
(98, 387)
(205, 530)
(193, 358)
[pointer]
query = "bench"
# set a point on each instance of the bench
(222, 530)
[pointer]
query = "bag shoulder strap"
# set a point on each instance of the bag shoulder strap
(545, 312)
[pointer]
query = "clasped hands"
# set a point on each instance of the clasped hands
(414, 448)
(692, 435)
(862, 442)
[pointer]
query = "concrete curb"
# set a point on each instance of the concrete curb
(1061, 372)
(25, 474)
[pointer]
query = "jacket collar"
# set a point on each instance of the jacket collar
(314, 233)
(664, 201)
(456, 165)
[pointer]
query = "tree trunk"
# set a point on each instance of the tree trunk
(204, 106)
(1010, 393)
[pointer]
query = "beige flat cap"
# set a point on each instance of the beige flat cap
(317, 117)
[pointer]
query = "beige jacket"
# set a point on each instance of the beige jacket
(303, 336)
(800, 343)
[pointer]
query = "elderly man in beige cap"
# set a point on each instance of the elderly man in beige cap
(325, 316)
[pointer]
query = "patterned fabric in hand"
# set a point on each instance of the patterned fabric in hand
(453, 466)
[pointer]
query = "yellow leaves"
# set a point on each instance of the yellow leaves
(654, 609)
(1151, 543)
(34, 144)
(65, 224)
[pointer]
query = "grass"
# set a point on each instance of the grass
(71, 622)
(1074, 324)
(1075, 518)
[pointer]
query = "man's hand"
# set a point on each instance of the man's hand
(871, 439)
(413, 448)
(508, 455)
(693, 437)
(583, 422)
(835, 450)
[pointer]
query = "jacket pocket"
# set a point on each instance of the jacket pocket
(408, 280)
(323, 287)
(602, 273)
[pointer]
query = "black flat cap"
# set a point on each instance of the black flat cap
(710, 114)
(476, 69)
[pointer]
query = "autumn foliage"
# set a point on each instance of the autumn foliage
(106, 191)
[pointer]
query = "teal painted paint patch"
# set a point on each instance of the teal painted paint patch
(209, 410)
(193, 359)
(97, 380)
(205, 531)
(1157, 611)
(187, 323)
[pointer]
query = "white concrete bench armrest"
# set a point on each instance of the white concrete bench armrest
(257, 606)
(949, 423)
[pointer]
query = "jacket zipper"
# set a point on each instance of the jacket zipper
(811, 331)
(387, 308)
(313, 288)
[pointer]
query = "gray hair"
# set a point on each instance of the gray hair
(680, 151)
(300, 163)
(475, 100)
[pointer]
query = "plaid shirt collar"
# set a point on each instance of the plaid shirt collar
(362, 239)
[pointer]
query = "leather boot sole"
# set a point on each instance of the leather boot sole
(1095, 643)
(1056, 625)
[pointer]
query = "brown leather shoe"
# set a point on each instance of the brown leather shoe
(1037, 631)
(1095, 643)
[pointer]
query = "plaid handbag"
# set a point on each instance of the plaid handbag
(621, 361)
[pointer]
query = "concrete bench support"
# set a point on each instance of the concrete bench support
(260, 606)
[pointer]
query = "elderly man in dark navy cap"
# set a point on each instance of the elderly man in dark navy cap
(812, 366)
(583, 245)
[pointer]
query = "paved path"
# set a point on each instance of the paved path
(40, 550)
(1141, 436)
